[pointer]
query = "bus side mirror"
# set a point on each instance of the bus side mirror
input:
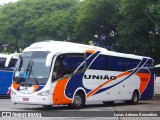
(10, 57)
(49, 59)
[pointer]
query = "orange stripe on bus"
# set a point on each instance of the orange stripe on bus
(123, 74)
(35, 87)
(15, 86)
(59, 93)
(96, 89)
(144, 80)
(91, 51)
(105, 83)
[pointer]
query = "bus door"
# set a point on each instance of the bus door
(67, 76)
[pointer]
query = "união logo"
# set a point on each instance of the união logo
(100, 77)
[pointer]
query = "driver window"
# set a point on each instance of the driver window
(66, 64)
(58, 68)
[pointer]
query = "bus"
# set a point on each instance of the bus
(157, 81)
(7, 65)
(52, 73)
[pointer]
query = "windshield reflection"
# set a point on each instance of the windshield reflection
(31, 68)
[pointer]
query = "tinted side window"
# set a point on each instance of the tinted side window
(66, 64)
(121, 64)
(115, 63)
(149, 64)
(72, 62)
(2, 62)
(99, 63)
(12, 63)
(130, 63)
(157, 71)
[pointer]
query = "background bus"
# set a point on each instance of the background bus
(157, 80)
(7, 65)
(56, 72)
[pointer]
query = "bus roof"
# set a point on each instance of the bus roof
(69, 47)
(6, 56)
(157, 65)
(3, 56)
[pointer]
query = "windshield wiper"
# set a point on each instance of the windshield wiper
(25, 72)
(31, 71)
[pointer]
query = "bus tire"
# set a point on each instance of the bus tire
(135, 98)
(78, 101)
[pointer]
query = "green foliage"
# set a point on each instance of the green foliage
(96, 20)
(129, 26)
(27, 21)
(138, 28)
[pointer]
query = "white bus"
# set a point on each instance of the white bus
(55, 73)
(157, 81)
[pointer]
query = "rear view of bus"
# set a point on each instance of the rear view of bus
(7, 65)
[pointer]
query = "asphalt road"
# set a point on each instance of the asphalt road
(92, 111)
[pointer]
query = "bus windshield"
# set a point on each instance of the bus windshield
(31, 68)
(11, 65)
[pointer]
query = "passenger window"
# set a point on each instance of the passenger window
(2, 62)
(149, 64)
(67, 64)
(99, 63)
(130, 63)
(115, 63)
(11, 65)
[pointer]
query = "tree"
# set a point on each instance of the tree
(138, 33)
(28, 21)
(128, 26)
(97, 22)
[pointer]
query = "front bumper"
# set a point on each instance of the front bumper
(36, 100)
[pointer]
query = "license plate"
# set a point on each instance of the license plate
(25, 99)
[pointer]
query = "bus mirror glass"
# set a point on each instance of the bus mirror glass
(49, 59)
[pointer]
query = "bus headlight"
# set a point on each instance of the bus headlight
(44, 93)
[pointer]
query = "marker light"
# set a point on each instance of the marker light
(44, 93)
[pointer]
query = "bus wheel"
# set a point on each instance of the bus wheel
(135, 98)
(78, 102)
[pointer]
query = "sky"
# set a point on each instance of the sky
(6, 1)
